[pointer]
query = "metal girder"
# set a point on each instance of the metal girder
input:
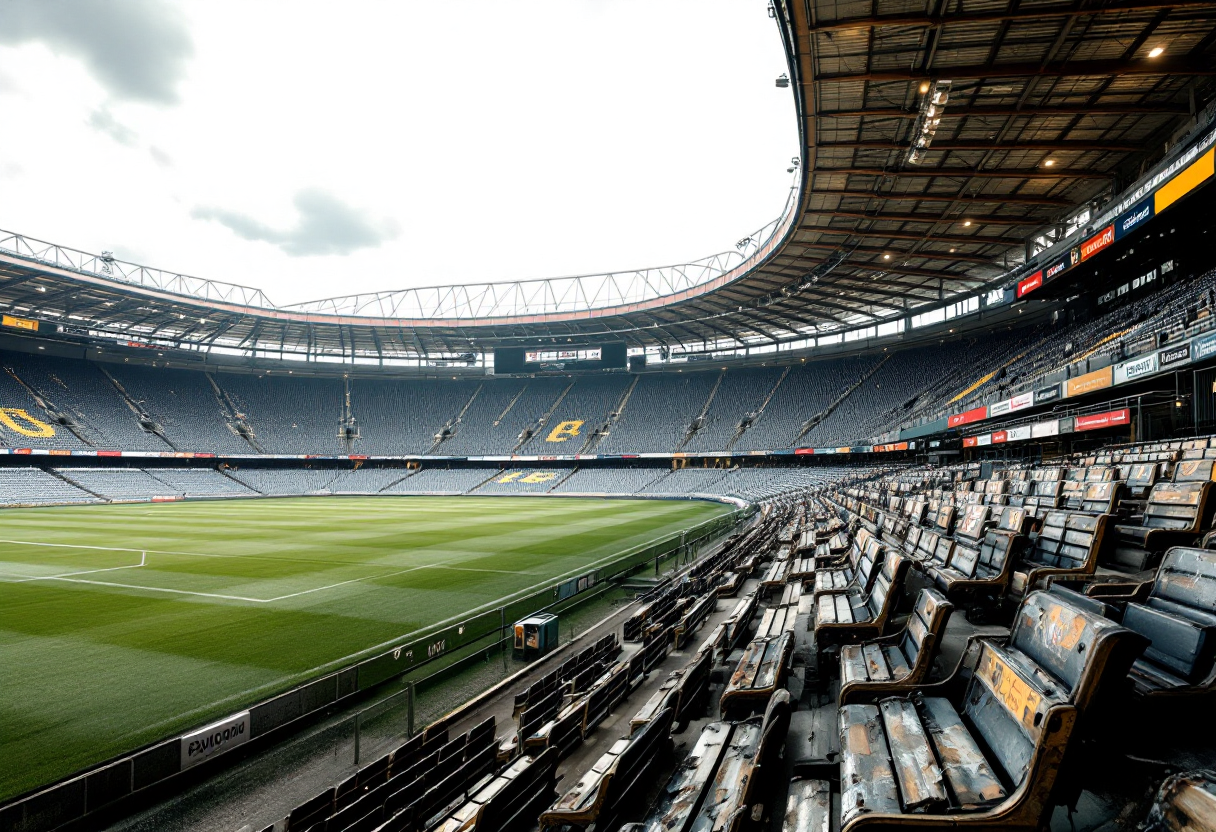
(904, 235)
(904, 255)
(984, 111)
(1080, 147)
(1060, 69)
(974, 219)
(1036, 12)
(987, 199)
(1008, 173)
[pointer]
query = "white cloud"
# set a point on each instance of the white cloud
(505, 140)
(103, 121)
(326, 225)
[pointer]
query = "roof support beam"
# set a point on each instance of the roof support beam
(1069, 69)
(1008, 173)
(1030, 13)
(987, 199)
(1080, 147)
(984, 111)
(974, 219)
(905, 235)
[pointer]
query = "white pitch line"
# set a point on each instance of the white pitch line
(74, 574)
(164, 589)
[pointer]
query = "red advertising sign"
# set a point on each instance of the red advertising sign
(1030, 284)
(999, 436)
(966, 417)
(969, 441)
(802, 451)
(1104, 420)
(1097, 242)
(891, 446)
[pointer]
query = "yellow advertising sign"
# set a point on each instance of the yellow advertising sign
(1184, 182)
(1097, 380)
(19, 323)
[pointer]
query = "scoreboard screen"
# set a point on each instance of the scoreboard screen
(540, 358)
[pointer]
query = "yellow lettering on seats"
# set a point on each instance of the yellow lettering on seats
(511, 477)
(539, 476)
(564, 430)
(33, 427)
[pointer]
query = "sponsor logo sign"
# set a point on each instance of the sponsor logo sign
(974, 415)
(1021, 401)
(1204, 347)
(19, 323)
(986, 439)
(1180, 354)
(1136, 368)
(1133, 218)
(1103, 420)
(1049, 428)
(216, 738)
(1047, 394)
(998, 409)
(999, 436)
(969, 441)
(891, 446)
(1018, 434)
(1030, 284)
(1054, 269)
(1097, 242)
(1097, 380)
(804, 451)
(1183, 183)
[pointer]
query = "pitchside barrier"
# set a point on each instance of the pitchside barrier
(85, 793)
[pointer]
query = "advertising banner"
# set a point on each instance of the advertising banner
(1047, 394)
(1055, 268)
(1031, 283)
(1049, 428)
(1183, 183)
(1204, 347)
(19, 323)
(1171, 356)
(974, 415)
(1136, 368)
(216, 738)
(969, 441)
(1019, 402)
(1018, 434)
(999, 436)
(986, 439)
(1111, 418)
(998, 409)
(891, 446)
(1097, 380)
(1097, 242)
(1133, 218)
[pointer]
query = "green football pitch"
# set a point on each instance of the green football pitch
(120, 625)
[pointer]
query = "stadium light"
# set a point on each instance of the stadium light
(1155, 51)
(783, 81)
(967, 224)
(1049, 162)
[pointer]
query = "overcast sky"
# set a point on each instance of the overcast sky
(313, 149)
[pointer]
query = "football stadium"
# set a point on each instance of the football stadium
(899, 513)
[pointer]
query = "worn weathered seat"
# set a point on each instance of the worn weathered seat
(1174, 515)
(1068, 544)
(984, 748)
(900, 661)
(1179, 616)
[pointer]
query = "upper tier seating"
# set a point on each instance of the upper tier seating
(184, 404)
(289, 415)
(659, 410)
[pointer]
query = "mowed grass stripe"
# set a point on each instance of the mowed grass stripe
(92, 671)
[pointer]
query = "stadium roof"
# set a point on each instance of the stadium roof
(937, 139)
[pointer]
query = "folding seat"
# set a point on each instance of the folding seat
(983, 573)
(1174, 515)
(1068, 545)
(1046, 496)
(943, 523)
(900, 661)
(967, 536)
(1072, 492)
(854, 615)
(991, 746)
(1019, 491)
(1179, 617)
(858, 573)
(1138, 481)
(1101, 497)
